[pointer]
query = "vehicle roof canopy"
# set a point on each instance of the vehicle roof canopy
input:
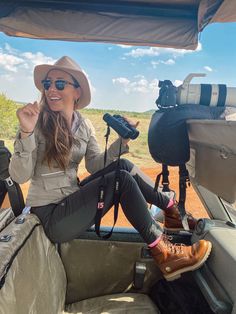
(165, 23)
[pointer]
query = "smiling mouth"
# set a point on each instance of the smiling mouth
(54, 99)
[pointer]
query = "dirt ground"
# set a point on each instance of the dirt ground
(193, 203)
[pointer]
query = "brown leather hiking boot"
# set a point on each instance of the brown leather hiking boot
(176, 259)
(172, 220)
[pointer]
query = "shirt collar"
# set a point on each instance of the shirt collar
(75, 123)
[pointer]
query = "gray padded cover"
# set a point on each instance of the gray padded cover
(212, 162)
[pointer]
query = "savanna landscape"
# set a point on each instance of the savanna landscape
(139, 152)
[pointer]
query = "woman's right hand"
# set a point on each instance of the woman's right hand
(28, 117)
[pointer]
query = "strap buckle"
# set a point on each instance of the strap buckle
(9, 181)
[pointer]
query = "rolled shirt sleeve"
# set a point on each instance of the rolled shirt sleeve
(23, 159)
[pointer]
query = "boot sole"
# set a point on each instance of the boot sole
(177, 274)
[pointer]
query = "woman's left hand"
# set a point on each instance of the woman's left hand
(133, 124)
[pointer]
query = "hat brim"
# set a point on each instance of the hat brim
(41, 71)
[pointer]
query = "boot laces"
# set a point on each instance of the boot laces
(176, 248)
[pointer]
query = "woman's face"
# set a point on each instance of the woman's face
(61, 100)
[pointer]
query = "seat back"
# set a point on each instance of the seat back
(32, 277)
(105, 267)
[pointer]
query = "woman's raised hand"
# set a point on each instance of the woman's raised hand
(133, 124)
(28, 117)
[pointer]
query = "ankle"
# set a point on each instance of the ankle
(172, 210)
(155, 243)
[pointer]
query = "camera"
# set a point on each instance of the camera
(217, 95)
(121, 126)
(167, 94)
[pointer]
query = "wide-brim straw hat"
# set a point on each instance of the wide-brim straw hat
(67, 65)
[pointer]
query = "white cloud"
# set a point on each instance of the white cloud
(154, 85)
(37, 58)
(141, 52)
(17, 67)
(141, 85)
(9, 49)
(167, 62)
(7, 77)
(124, 46)
(207, 68)
(155, 64)
(121, 80)
(199, 47)
(180, 52)
(10, 62)
(157, 51)
(177, 83)
(139, 76)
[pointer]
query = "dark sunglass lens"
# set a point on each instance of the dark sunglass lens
(46, 84)
(60, 85)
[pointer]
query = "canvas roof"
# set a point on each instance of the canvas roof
(166, 23)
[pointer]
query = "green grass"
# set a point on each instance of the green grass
(139, 153)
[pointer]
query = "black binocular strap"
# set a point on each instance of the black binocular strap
(7, 184)
(183, 182)
(165, 180)
(14, 193)
(15, 196)
(102, 191)
(3, 192)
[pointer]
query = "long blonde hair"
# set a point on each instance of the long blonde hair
(55, 129)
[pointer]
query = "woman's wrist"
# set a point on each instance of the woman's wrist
(26, 132)
(125, 141)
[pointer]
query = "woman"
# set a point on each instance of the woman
(54, 138)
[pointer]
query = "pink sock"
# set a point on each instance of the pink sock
(171, 203)
(155, 242)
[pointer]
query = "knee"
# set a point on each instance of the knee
(127, 179)
(125, 164)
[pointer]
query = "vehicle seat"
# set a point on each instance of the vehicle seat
(129, 303)
(33, 279)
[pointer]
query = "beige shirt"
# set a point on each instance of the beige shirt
(51, 185)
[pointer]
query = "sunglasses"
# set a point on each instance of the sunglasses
(59, 84)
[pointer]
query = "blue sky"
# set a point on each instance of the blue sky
(121, 77)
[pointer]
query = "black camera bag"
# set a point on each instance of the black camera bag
(169, 144)
(167, 135)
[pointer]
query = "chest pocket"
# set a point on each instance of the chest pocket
(56, 180)
(79, 148)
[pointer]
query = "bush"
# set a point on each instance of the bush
(8, 119)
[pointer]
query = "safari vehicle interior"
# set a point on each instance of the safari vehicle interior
(90, 275)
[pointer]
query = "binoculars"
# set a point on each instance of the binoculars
(121, 126)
